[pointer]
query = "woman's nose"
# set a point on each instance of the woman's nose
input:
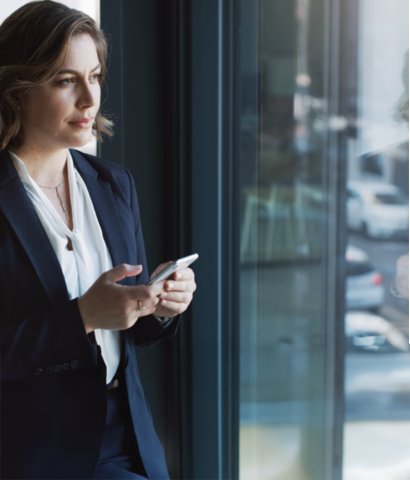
(89, 95)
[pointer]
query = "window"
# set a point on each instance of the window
(7, 9)
(391, 199)
(323, 325)
(290, 268)
(256, 129)
(377, 361)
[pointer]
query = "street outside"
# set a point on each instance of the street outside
(377, 383)
(377, 387)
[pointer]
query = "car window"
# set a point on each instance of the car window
(352, 194)
(390, 199)
(358, 268)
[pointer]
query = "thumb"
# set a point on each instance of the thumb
(118, 273)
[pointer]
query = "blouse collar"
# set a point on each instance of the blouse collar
(21, 169)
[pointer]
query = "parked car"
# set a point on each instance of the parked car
(364, 284)
(367, 331)
(378, 209)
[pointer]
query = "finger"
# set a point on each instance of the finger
(150, 303)
(174, 308)
(189, 286)
(146, 311)
(118, 273)
(178, 297)
(143, 292)
(184, 274)
(159, 269)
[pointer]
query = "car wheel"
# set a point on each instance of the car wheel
(369, 232)
(365, 230)
(375, 310)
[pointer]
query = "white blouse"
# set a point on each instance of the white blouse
(90, 256)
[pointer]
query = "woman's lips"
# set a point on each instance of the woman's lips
(83, 122)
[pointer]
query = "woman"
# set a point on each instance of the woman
(73, 299)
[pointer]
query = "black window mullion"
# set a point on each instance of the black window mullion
(172, 92)
(210, 339)
(141, 85)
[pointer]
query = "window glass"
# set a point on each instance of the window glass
(324, 347)
(377, 361)
(284, 193)
(7, 8)
(90, 7)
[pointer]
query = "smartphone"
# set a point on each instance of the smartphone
(174, 267)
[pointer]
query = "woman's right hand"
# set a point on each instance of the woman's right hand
(110, 306)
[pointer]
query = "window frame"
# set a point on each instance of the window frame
(192, 59)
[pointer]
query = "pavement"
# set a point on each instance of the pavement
(275, 402)
(270, 452)
(384, 255)
(377, 387)
(377, 450)
(372, 451)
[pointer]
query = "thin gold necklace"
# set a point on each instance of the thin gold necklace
(59, 197)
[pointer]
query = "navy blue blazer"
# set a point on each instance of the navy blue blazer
(53, 378)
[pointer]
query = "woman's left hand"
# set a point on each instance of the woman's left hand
(178, 292)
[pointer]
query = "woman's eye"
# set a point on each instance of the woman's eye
(66, 81)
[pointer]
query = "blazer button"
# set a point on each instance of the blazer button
(39, 371)
(75, 364)
(49, 370)
(58, 368)
(66, 366)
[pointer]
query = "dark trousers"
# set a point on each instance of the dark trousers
(119, 454)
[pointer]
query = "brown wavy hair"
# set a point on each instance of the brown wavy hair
(33, 45)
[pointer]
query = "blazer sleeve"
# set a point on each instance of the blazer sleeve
(49, 342)
(147, 330)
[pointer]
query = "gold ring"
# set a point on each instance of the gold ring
(140, 307)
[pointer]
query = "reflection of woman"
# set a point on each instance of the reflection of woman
(401, 110)
(72, 403)
(400, 284)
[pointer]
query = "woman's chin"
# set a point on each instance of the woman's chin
(81, 140)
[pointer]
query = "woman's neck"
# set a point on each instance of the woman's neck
(44, 167)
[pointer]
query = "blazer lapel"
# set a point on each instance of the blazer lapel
(19, 211)
(109, 219)
(107, 212)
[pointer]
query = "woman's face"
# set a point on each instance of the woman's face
(60, 113)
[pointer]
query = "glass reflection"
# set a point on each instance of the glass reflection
(286, 290)
(283, 125)
(377, 379)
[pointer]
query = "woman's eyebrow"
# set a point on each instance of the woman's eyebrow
(75, 72)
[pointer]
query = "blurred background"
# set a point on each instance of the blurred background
(319, 360)
(290, 172)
